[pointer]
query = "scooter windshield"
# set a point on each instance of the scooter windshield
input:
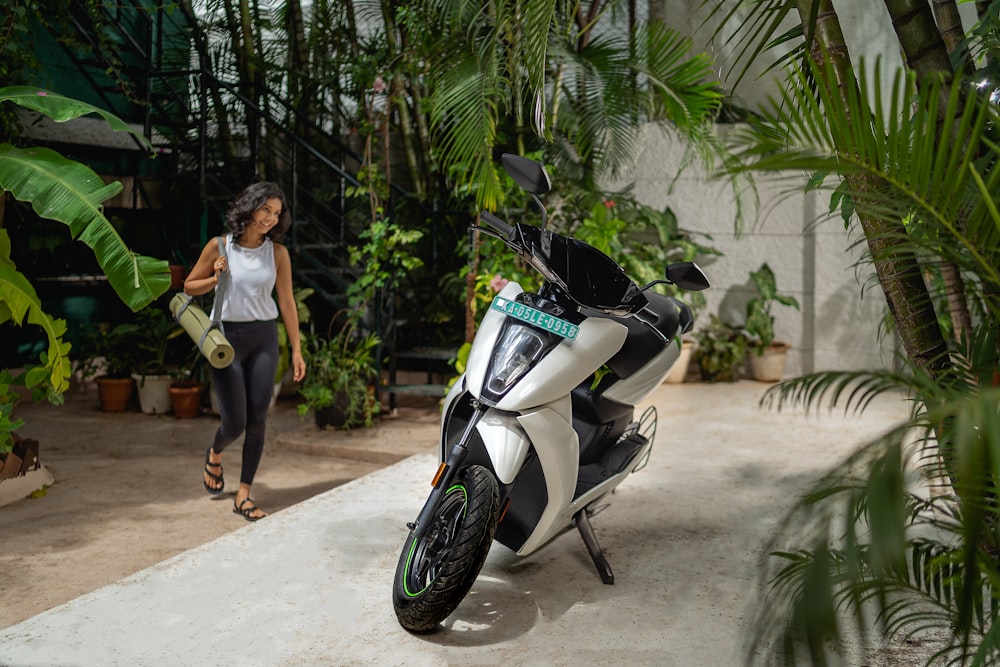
(590, 277)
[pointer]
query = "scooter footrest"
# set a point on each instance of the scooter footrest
(615, 461)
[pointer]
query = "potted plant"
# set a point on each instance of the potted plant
(110, 362)
(767, 358)
(187, 387)
(155, 338)
(21, 471)
(339, 387)
(678, 372)
(721, 350)
(185, 397)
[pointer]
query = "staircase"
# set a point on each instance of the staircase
(206, 129)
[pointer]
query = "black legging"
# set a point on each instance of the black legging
(244, 390)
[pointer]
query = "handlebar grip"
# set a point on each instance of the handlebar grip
(507, 231)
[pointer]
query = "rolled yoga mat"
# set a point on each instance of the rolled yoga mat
(195, 322)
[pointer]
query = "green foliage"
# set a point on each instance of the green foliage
(384, 256)
(35, 381)
(721, 350)
(341, 371)
(19, 303)
(640, 238)
(111, 351)
(305, 316)
(760, 322)
(884, 535)
(8, 423)
(905, 532)
(70, 193)
(157, 342)
(519, 74)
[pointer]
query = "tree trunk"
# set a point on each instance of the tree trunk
(927, 54)
(897, 269)
(949, 23)
(657, 11)
(397, 100)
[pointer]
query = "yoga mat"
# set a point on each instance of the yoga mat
(193, 319)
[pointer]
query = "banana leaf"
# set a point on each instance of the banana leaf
(18, 300)
(62, 109)
(71, 193)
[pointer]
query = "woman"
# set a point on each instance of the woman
(253, 265)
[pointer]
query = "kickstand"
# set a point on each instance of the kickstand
(582, 519)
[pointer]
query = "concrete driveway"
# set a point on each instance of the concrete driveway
(311, 584)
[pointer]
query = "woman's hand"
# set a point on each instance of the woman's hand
(298, 366)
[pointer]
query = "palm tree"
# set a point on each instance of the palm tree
(904, 534)
(568, 74)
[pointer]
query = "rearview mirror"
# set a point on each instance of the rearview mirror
(528, 174)
(687, 276)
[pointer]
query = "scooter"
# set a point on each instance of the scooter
(539, 428)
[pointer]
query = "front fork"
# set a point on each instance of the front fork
(446, 474)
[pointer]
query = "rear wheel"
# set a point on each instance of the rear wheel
(436, 572)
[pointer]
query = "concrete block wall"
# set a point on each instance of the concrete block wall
(814, 259)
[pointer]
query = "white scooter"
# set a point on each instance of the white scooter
(540, 427)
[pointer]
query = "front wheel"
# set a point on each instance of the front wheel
(435, 572)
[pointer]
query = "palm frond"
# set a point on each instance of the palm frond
(760, 23)
(855, 390)
(905, 168)
(464, 117)
(870, 537)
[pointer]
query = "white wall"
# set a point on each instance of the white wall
(811, 255)
(866, 26)
(839, 326)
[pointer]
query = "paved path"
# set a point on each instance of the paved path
(311, 585)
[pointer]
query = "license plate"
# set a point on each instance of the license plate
(551, 323)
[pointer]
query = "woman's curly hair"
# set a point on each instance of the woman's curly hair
(252, 198)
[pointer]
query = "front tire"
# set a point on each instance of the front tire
(436, 572)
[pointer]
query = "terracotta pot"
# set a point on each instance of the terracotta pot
(115, 393)
(770, 366)
(185, 398)
(679, 370)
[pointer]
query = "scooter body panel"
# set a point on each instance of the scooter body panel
(558, 451)
(566, 366)
(506, 443)
(636, 387)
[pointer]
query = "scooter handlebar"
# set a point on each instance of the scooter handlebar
(505, 230)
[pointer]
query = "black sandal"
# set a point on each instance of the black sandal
(247, 512)
(216, 478)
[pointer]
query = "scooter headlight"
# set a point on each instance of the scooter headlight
(519, 348)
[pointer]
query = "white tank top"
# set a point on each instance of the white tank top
(252, 275)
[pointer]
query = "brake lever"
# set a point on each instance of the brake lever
(650, 325)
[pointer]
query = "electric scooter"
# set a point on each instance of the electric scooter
(539, 428)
